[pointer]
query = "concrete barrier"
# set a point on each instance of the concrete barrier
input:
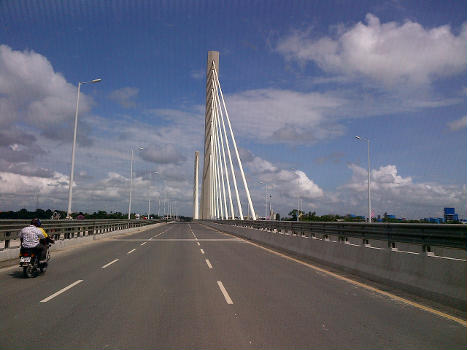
(63, 244)
(442, 279)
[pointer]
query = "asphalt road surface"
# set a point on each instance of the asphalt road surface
(188, 286)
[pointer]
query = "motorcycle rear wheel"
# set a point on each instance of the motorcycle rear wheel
(30, 271)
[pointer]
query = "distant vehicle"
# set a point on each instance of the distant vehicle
(137, 216)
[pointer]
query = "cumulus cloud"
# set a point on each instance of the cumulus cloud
(272, 115)
(458, 124)
(166, 154)
(33, 93)
(391, 53)
(289, 183)
(26, 168)
(18, 185)
(392, 192)
(125, 96)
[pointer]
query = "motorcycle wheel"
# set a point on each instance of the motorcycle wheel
(30, 271)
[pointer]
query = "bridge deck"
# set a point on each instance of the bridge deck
(187, 286)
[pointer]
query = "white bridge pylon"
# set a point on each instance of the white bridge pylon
(217, 200)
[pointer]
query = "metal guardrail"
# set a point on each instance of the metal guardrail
(66, 229)
(450, 236)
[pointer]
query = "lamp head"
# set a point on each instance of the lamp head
(98, 80)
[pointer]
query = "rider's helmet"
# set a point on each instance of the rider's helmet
(36, 222)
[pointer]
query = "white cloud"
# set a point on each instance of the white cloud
(458, 124)
(164, 154)
(33, 92)
(289, 183)
(391, 53)
(272, 115)
(125, 96)
(20, 185)
(392, 192)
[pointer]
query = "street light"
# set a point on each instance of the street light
(266, 199)
(298, 195)
(369, 197)
(131, 178)
(70, 189)
(149, 200)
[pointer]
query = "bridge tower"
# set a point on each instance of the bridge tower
(206, 203)
(195, 188)
(216, 195)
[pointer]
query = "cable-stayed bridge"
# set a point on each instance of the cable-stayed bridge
(220, 153)
(226, 282)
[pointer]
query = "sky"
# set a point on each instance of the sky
(301, 79)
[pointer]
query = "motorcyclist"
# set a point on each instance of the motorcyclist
(34, 236)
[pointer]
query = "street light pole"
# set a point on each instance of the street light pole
(298, 194)
(149, 200)
(73, 149)
(369, 194)
(266, 199)
(131, 179)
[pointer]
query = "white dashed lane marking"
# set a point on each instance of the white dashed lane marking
(61, 291)
(110, 263)
(208, 263)
(224, 292)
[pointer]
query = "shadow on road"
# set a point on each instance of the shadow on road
(17, 274)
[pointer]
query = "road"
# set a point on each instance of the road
(184, 285)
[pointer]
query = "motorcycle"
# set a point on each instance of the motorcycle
(29, 261)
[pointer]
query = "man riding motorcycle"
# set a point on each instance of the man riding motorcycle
(34, 236)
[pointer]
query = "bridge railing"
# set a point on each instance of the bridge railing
(66, 229)
(427, 235)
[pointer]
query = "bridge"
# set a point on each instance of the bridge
(192, 285)
(223, 282)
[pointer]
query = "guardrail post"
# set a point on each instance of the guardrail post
(427, 249)
(7, 239)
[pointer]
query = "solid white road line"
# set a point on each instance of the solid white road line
(198, 243)
(61, 291)
(143, 243)
(110, 263)
(208, 263)
(131, 251)
(224, 292)
(202, 251)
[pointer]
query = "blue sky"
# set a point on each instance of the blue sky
(301, 80)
